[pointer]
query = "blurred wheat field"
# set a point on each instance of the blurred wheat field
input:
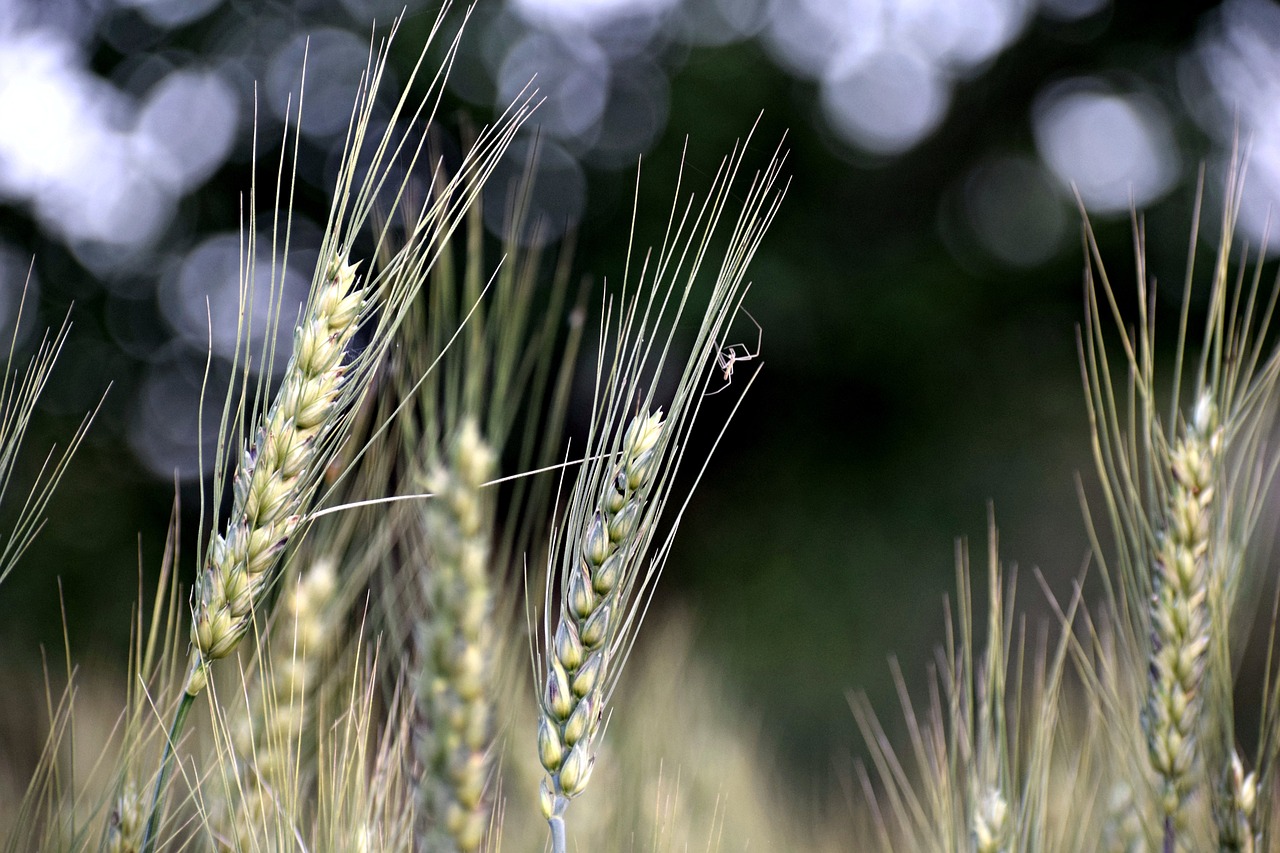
(415, 601)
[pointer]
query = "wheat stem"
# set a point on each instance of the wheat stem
(166, 767)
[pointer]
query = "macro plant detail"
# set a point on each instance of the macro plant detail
(281, 707)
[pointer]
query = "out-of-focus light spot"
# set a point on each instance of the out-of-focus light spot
(19, 290)
(960, 36)
(557, 193)
(69, 156)
(629, 36)
(165, 432)
(573, 76)
(1231, 83)
(202, 303)
(111, 199)
(186, 128)
(559, 13)
(335, 61)
(172, 13)
(373, 11)
(1116, 150)
(1072, 10)
(885, 104)
(886, 69)
(720, 22)
(807, 36)
(38, 82)
(634, 116)
(1259, 214)
(1014, 210)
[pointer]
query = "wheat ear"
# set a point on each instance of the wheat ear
(1237, 812)
(270, 494)
(1180, 620)
(601, 575)
(128, 820)
(456, 647)
(269, 737)
(276, 478)
(572, 701)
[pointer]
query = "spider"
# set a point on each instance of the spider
(733, 354)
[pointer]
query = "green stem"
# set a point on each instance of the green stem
(556, 821)
(166, 767)
(557, 833)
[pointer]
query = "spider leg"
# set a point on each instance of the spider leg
(759, 338)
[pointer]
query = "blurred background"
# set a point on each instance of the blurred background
(918, 293)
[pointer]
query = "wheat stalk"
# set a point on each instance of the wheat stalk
(1183, 495)
(276, 477)
(573, 698)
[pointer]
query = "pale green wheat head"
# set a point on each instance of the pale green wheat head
(604, 563)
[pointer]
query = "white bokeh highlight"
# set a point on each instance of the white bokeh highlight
(1231, 82)
(1116, 150)
(202, 300)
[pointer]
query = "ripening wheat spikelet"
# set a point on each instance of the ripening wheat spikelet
(475, 360)
(1180, 613)
(572, 704)
(988, 772)
(276, 475)
(1237, 810)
